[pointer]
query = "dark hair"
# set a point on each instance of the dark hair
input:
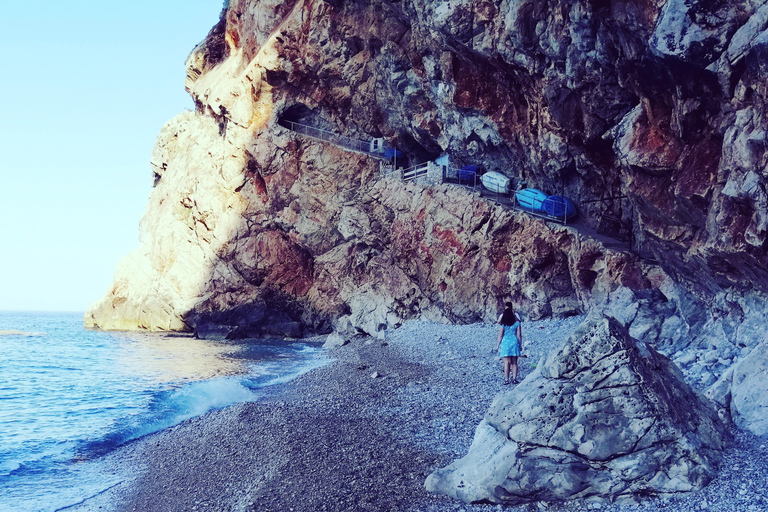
(508, 317)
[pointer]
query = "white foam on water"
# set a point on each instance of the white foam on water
(299, 371)
(192, 400)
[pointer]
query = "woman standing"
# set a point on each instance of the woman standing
(510, 342)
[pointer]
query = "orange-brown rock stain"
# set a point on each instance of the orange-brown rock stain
(258, 188)
(503, 264)
(451, 241)
(496, 91)
(283, 264)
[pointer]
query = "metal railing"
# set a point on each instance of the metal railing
(348, 143)
(416, 171)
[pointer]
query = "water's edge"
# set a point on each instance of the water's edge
(73, 396)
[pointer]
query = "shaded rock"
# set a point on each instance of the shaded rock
(335, 340)
(214, 332)
(749, 392)
(604, 416)
(741, 393)
(720, 395)
(343, 332)
(287, 329)
(255, 319)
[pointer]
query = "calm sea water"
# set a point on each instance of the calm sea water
(69, 395)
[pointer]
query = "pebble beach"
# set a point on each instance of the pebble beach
(363, 433)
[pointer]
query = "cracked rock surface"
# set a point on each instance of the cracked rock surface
(605, 415)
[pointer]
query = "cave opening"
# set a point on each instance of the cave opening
(414, 152)
(299, 113)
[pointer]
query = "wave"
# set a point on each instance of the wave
(169, 408)
(271, 379)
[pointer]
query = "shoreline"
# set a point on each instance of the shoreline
(363, 433)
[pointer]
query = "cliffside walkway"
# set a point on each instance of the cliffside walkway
(611, 232)
(365, 147)
(433, 173)
(374, 148)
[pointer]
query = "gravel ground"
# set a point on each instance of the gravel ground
(364, 432)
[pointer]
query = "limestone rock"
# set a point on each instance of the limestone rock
(244, 211)
(605, 416)
(343, 332)
(696, 31)
(749, 392)
(335, 340)
(741, 393)
(719, 394)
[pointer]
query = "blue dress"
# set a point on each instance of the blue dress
(510, 345)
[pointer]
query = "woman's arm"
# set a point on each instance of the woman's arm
(520, 336)
(501, 335)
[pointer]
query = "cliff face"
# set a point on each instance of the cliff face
(657, 105)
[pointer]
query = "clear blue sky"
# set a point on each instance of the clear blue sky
(85, 88)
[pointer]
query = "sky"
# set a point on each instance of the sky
(85, 87)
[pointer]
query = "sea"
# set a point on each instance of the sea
(69, 396)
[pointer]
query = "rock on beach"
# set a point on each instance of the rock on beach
(604, 416)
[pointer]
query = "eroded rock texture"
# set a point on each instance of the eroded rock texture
(251, 228)
(657, 104)
(606, 416)
(742, 392)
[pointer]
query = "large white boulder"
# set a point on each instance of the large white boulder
(605, 416)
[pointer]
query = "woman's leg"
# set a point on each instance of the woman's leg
(506, 361)
(513, 367)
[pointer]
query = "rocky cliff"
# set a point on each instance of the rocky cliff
(648, 113)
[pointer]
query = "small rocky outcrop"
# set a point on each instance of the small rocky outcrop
(749, 392)
(606, 416)
(742, 392)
